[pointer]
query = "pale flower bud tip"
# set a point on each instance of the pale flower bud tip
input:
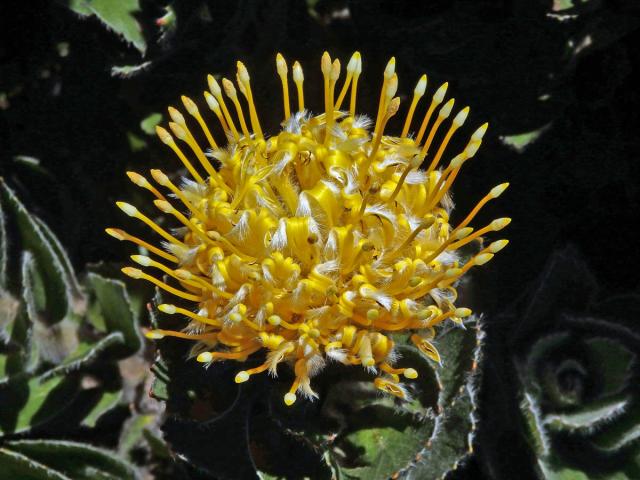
(479, 133)
(154, 335)
(483, 258)
(289, 399)
(410, 373)
(214, 86)
(141, 259)
(500, 223)
(241, 377)
(167, 308)
(498, 245)
(445, 111)
(132, 272)
(115, 233)
(461, 117)
(205, 357)
(438, 97)
(163, 135)
(499, 189)
(127, 208)
(421, 86)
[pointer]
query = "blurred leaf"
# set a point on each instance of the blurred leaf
(26, 404)
(108, 401)
(17, 466)
(117, 16)
(126, 71)
(50, 265)
(86, 354)
(75, 460)
(3, 252)
(148, 125)
(133, 433)
(135, 142)
(521, 141)
(116, 310)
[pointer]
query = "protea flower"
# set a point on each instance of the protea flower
(316, 244)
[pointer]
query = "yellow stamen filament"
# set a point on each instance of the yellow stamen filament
(122, 235)
(281, 67)
(172, 309)
(183, 133)
(414, 163)
(140, 181)
(418, 93)
(389, 72)
(149, 262)
(245, 81)
(137, 273)
(134, 212)
(391, 111)
(354, 86)
(298, 79)
(167, 139)
(157, 334)
(166, 207)
(192, 108)
(351, 68)
(494, 193)
(217, 93)
(231, 92)
(494, 226)
(443, 114)
(326, 68)
(437, 99)
(457, 123)
(163, 180)
(214, 106)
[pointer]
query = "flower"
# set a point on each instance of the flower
(316, 244)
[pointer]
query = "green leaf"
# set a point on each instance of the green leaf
(148, 125)
(78, 297)
(116, 311)
(75, 460)
(456, 347)
(117, 16)
(4, 251)
(133, 433)
(521, 141)
(86, 354)
(57, 291)
(450, 443)
(384, 451)
(108, 402)
(17, 466)
(25, 404)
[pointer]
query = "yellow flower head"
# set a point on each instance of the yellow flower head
(316, 244)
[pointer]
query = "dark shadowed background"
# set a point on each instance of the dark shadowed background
(557, 80)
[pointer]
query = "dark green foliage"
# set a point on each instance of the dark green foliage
(576, 364)
(57, 370)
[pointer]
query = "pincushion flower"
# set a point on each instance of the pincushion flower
(316, 244)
